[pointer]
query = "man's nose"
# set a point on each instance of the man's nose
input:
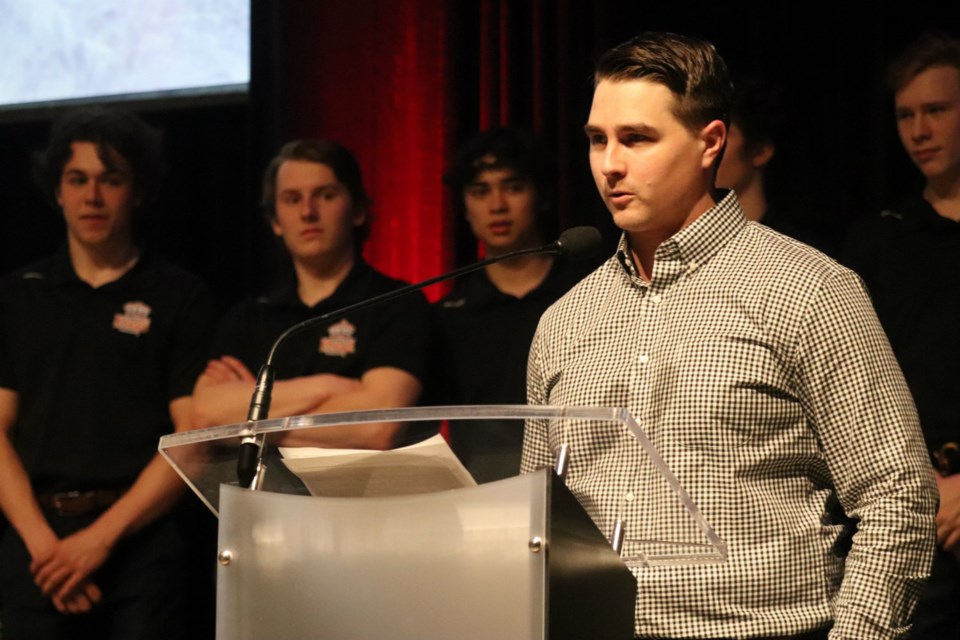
(921, 127)
(310, 208)
(93, 192)
(498, 200)
(613, 165)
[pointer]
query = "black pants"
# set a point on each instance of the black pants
(149, 588)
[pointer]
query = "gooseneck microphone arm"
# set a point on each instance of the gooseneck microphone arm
(575, 243)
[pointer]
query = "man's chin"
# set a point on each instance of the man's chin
(631, 220)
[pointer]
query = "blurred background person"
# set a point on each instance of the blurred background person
(909, 257)
(501, 184)
(316, 204)
(99, 346)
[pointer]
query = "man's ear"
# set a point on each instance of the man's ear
(762, 154)
(359, 216)
(713, 136)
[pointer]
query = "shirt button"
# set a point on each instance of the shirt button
(630, 497)
(644, 358)
(655, 298)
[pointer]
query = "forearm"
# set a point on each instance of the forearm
(18, 502)
(382, 388)
(155, 491)
(229, 402)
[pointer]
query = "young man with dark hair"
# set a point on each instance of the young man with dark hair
(316, 204)
(909, 256)
(99, 345)
(500, 183)
(755, 365)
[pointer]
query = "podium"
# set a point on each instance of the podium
(518, 558)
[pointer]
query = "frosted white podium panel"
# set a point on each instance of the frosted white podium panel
(403, 544)
(472, 564)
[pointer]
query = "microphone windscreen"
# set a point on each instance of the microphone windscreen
(580, 243)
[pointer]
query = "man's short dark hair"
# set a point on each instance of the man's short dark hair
(500, 148)
(690, 68)
(341, 161)
(112, 131)
(510, 148)
(931, 49)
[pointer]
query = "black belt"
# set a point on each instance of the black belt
(79, 503)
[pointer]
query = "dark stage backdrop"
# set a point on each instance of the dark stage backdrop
(404, 82)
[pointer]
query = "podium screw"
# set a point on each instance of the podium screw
(225, 557)
(536, 544)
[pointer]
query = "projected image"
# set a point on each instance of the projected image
(57, 50)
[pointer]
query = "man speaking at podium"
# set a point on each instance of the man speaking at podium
(756, 366)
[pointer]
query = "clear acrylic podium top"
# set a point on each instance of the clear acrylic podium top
(207, 460)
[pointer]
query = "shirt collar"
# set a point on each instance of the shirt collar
(287, 295)
(58, 270)
(695, 244)
(479, 287)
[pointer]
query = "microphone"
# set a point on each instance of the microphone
(576, 243)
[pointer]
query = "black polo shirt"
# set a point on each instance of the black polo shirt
(96, 368)
(791, 222)
(909, 257)
(486, 340)
(392, 334)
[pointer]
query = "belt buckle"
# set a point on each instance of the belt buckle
(61, 501)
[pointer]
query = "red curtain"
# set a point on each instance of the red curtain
(371, 75)
(403, 82)
(532, 63)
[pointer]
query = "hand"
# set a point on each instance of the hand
(62, 572)
(226, 369)
(83, 599)
(948, 517)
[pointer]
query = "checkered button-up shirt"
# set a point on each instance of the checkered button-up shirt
(759, 371)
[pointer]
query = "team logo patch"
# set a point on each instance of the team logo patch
(339, 341)
(134, 320)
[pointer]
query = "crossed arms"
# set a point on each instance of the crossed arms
(222, 396)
